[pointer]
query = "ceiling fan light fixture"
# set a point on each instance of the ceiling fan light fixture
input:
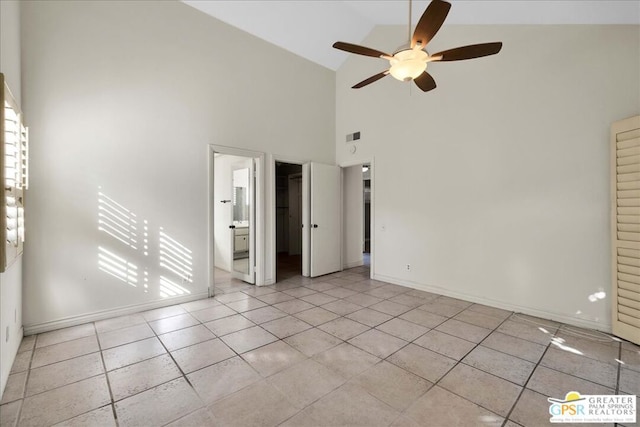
(408, 64)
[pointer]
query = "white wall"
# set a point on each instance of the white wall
(495, 186)
(11, 280)
(127, 96)
(353, 215)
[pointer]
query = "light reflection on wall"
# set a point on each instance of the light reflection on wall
(117, 221)
(117, 267)
(175, 257)
(171, 289)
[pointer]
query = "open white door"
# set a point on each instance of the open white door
(322, 215)
(243, 223)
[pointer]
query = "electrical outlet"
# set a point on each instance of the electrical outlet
(408, 267)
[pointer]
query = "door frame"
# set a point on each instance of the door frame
(259, 211)
(371, 162)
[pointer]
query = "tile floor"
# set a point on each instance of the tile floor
(332, 351)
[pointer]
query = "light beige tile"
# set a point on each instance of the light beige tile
(440, 309)
(200, 418)
(66, 334)
(265, 314)
(27, 343)
(293, 306)
(349, 405)
(343, 328)
(392, 385)
(101, 417)
(200, 304)
(556, 384)
(448, 345)
(318, 298)
(490, 311)
(63, 373)
(15, 387)
(120, 322)
(316, 316)
(464, 330)
(320, 286)
(275, 298)
(382, 292)
(340, 292)
(173, 323)
(217, 381)
(531, 410)
(285, 326)
(231, 297)
(213, 313)
(631, 359)
(530, 332)
(312, 341)
(248, 339)
(300, 292)
(159, 405)
(424, 318)
(229, 324)
(440, 407)
(259, 404)
(484, 389)
(142, 376)
(346, 360)
(203, 354)
(408, 300)
(581, 366)
(455, 302)
(9, 413)
(273, 358)
(390, 308)
(369, 317)
(422, 362)
(246, 305)
(478, 319)
(402, 329)
(305, 382)
(363, 300)
(63, 351)
(500, 364)
(125, 335)
(21, 362)
(134, 352)
(161, 313)
(66, 402)
(341, 307)
(629, 381)
(523, 349)
(378, 343)
(536, 321)
(186, 337)
(602, 351)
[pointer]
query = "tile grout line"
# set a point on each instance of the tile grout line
(106, 375)
(24, 393)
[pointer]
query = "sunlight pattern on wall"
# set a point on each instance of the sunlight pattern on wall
(117, 221)
(171, 289)
(175, 257)
(117, 267)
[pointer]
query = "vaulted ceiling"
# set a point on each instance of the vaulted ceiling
(309, 27)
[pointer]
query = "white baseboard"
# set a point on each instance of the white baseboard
(582, 323)
(106, 314)
(352, 264)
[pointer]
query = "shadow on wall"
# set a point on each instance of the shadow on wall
(130, 241)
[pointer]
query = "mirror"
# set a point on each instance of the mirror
(241, 208)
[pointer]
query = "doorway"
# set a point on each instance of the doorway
(288, 214)
(358, 221)
(366, 198)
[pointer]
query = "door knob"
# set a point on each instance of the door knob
(315, 225)
(232, 226)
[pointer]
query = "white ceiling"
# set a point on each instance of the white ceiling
(309, 27)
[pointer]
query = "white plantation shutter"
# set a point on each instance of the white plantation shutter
(625, 228)
(14, 138)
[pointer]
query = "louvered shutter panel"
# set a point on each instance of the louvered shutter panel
(625, 228)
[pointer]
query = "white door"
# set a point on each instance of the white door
(242, 228)
(322, 214)
(625, 228)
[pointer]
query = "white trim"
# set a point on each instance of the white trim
(353, 264)
(107, 314)
(260, 245)
(583, 323)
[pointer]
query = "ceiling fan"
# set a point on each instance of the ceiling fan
(410, 61)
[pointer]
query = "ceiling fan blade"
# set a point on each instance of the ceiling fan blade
(425, 82)
(430, 22)
(370, 80)
(469, 52)
(360, 50)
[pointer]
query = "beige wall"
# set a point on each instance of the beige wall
(495, 186)
(125, 98)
